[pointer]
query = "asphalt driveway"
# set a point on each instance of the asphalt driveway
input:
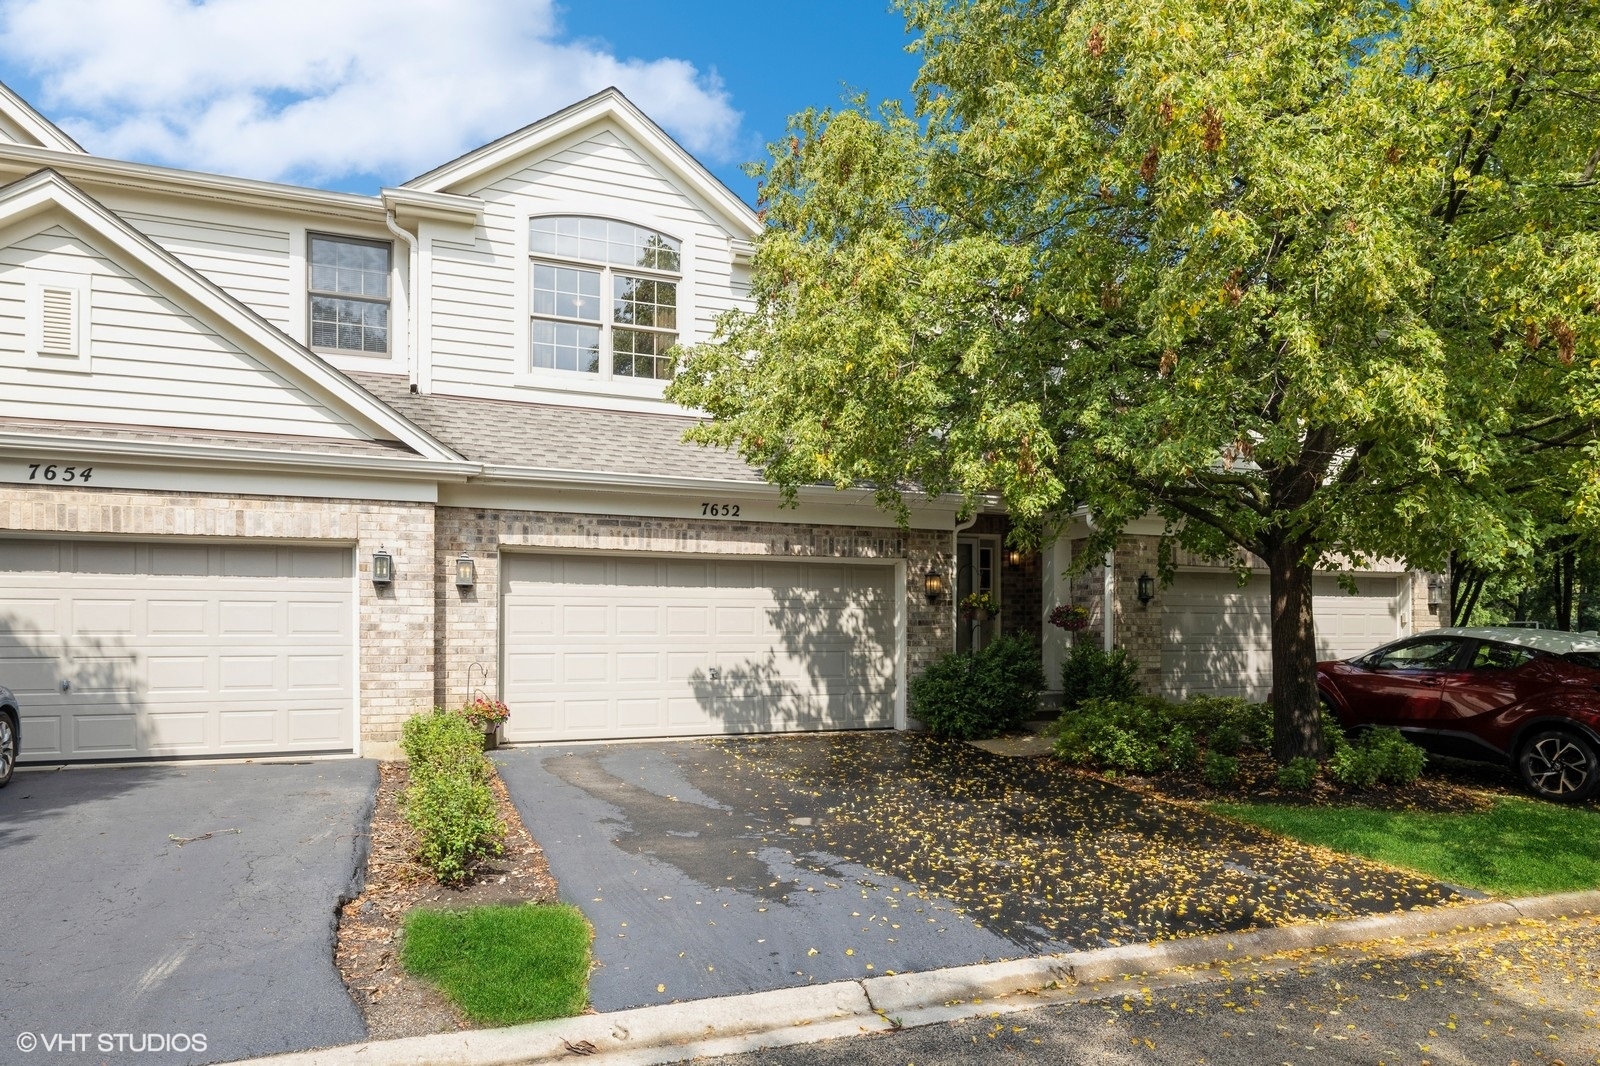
(123, 918)
(716, 867)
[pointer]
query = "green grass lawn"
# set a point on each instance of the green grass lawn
(1519, 847)
(503, 965)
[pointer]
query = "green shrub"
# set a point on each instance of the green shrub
(1298, 775)
(1354, 767)
(448, 801)
(1182, 752)
(1092, 674)
(980, 694)
(1117, 734)
(1377, 755)
(1226, 739)
(1400, 762)
(1218, 770)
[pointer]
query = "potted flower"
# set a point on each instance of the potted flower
(979, 606)
(486, 714)
(1070, 616)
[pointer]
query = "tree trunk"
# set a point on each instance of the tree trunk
(1566, 575)
(1297, 726)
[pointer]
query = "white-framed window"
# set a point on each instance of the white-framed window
(57, 309)
(348, 288)
(603, 296)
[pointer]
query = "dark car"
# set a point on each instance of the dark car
(10, 735)
(1528, 697)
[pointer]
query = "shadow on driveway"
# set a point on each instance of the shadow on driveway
(112, 926)
(715, 867)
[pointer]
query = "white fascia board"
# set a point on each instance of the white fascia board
(944, 508)
(34, 124)
(412, 206)
(145, 177)
(189, 454)
(47, 190)
(608, 104)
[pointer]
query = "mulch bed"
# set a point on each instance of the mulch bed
(1446, 785)
(394, 1003)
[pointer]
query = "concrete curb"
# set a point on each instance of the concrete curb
(786, 1016)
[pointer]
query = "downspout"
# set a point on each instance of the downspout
(413, 339)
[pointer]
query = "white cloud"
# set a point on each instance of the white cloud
(315, 90)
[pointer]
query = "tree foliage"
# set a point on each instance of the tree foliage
(1317, 280)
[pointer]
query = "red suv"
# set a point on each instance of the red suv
(1529, 697)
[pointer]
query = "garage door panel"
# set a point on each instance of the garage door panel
(104, 734)
(177, 732)
(788, 653)
(176, 674)
(175, 649)
(1216, 636)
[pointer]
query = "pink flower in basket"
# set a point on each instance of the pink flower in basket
(1070, 616)
(485, 713)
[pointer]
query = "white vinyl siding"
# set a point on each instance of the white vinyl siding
(479, 319)
(122, 650)
(1216, 637)
(248, 261)
(601, 646)
(154, 364)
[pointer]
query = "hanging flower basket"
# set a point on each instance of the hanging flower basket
(487, 715)
(1070, 616)
(979, 606)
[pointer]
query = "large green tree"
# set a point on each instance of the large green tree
(1316, 280)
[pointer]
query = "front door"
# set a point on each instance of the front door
(977, 570)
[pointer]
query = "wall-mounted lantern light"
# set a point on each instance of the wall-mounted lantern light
(1435, 591)
(466, 572)
(1015, 556)
(1147, 589)
(933, 585)
(382, 568)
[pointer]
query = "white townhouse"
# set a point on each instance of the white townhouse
(281, 466)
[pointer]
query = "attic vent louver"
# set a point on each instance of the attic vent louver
(58, 321)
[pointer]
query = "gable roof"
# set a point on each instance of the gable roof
(43, 132)
(46, 191)
(606, 105)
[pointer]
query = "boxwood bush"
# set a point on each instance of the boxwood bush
(1145, 734)
(1092, 674)
(974, 695)
(448, 801)
(1376, 755)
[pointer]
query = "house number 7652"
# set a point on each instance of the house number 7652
(720, 510)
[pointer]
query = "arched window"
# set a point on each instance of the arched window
(605, 296)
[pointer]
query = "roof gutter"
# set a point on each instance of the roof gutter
(153, 453)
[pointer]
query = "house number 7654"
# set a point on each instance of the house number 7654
(53, 472)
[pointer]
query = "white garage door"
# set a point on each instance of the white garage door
(607, 646)
(1217, 638)
(119, 650)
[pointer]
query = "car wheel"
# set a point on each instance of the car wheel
(8, 749)
(1559, 766)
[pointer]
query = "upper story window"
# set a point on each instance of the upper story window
(349, 294)
(605, 297)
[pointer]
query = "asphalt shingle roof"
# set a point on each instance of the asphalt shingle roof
(264, 442)
(550, 437)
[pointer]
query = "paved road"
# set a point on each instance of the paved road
(717, 867)
(1527, 994)
(111, 927)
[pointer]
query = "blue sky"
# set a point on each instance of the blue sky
(382, 90)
